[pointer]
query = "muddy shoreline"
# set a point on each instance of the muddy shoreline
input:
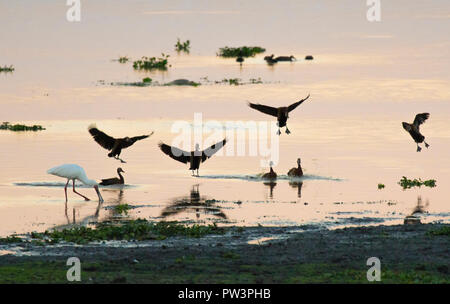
(408, 251)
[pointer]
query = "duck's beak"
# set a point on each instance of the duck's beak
(100, 198)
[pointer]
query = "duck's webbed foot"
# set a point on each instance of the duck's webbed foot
(419, 148)
(121, 160)
(287, 131)
(426, 145)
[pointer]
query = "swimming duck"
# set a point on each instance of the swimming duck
(194, 157)
(270, 59)
(114, 180)
(298, 172)
(413, 129)
(270, 175)
(285, 58)
(282, 113)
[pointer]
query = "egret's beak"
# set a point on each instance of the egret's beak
(100, 198)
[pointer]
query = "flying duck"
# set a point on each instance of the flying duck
(194, 158)
(282, 113)
(115, 145)
(297, 172)
(114, 180)
(413, 129)
(285, 58)
(270, 175)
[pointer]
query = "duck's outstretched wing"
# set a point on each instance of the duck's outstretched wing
(294, 105)
(132, 140)
(175, 153)
(420, 119)
(207, 153)
(101, 138)
(265, 109)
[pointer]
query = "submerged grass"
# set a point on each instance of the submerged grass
(7, 69)
(407, 183)
(243, 51)
(122, 208)
(123, 59)
(150, 63)
(18, 127)
(183, 46)
(134, 230)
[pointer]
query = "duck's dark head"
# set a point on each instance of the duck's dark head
(120, 170)
(299, 161)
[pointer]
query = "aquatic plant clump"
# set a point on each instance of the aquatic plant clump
(123, 59)
(150, 63)
(183, 46)
(7, 69)
(407, 183)
(244, 51)
(134, 230)
(381, 186)
(122, 208)
(18, 127)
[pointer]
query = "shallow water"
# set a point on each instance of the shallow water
(364, 81)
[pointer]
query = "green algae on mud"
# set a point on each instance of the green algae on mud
(132, 230)
(407, 183)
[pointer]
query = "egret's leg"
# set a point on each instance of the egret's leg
(279, 132)
(85, 198)
(197, 173)
(65, 189)
(193, 172)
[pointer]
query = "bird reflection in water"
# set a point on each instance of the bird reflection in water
(271, 185)
(297, 185)
(193, 203)
(420, 208)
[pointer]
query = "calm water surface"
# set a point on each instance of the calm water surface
(364, 81)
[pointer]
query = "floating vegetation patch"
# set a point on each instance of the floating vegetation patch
(122, 208)
(244, 51)
(150, 63)
(381, 186)
(134, 230)
(183, 46)
(18, 127)
(407, 183)
(123, 59)
(7, 69)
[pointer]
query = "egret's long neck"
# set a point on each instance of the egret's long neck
(85, 180)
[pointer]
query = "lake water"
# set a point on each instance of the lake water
(365, 79)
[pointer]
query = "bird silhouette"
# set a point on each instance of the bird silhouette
(115, 145)
(114, 180)
(282, 113)
(413, 129)
(194, 157)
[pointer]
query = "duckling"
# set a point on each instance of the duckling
(413, 129)
(285, 58)
(297, 172)
(270, 175)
